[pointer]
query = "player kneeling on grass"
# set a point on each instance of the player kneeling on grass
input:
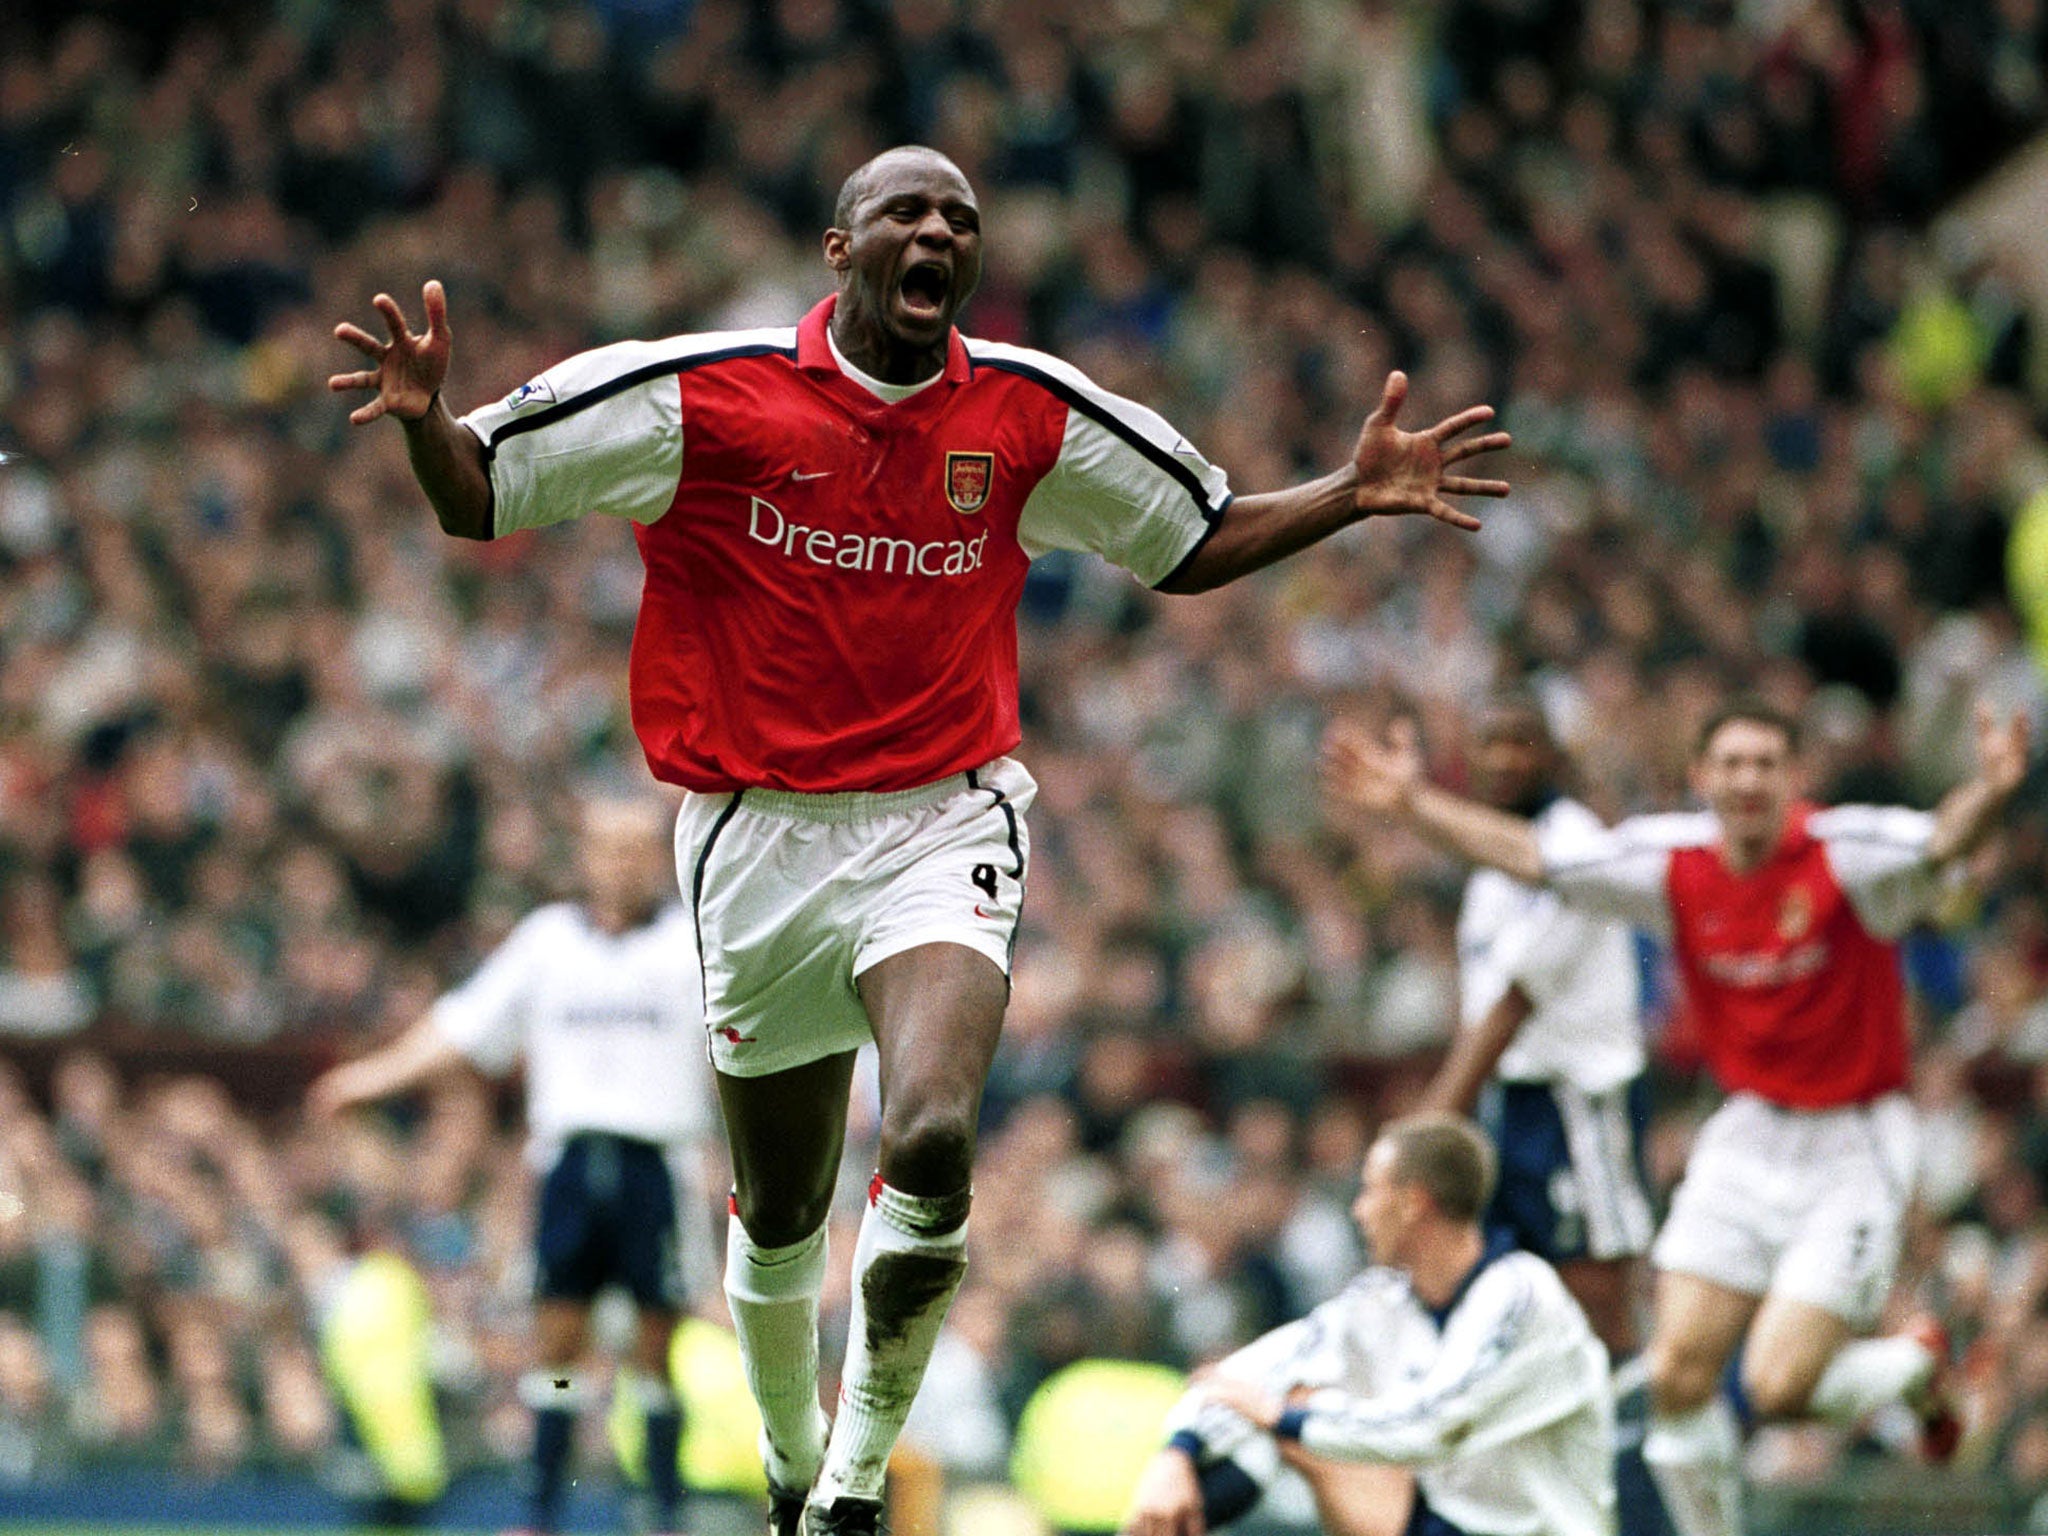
(1453, 1389)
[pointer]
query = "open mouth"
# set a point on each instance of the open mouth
(924, 289)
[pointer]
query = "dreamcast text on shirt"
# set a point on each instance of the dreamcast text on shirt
(766, 524)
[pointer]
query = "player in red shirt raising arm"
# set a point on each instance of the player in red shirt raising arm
(836, 518)
(1785, 921)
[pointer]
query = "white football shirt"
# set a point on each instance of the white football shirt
(1578, 968)
(611, 1026)
(1500, 1404)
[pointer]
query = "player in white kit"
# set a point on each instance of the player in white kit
(1454, 1389)
(1550, 1045)
(1550, 1053)
(603, 998)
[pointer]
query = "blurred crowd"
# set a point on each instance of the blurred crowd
(277, 760)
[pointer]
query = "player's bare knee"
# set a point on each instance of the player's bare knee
(1776, 1388)
(1681, 1378)
(650, 1351)
(777, 1223)
(1617, 1330)
(928, 1150)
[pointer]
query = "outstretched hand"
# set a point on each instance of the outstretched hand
(2001, 750)
(1369, 772)
(408, 368)
(1403, 472)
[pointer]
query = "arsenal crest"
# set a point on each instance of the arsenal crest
(968, 478)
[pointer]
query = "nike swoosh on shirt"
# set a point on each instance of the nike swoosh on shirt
(816, 474)
(981, 911)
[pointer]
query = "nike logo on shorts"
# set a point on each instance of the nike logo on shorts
(816, 474)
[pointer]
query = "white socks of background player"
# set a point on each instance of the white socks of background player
(773, 1293)
(1871, 1374)
(906, 1267)
(1696, 1460)
(1696, 1457)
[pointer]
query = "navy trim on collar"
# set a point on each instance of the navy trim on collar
(1498, 1246)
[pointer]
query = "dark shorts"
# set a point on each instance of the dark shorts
(609, 1215)
(1424, 1521)
(1572, 1184)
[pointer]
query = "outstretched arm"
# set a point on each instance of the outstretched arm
(415, 1057)
(1391, 473)
(1385, 777)
(409, 369)
(1968, 812)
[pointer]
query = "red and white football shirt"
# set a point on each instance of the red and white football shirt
(1791, 969)
(832, 577)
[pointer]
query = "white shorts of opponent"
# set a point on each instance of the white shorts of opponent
(1805, 1204)
(795, 896)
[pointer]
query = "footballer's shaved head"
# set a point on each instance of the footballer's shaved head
(906, 250)
(1516, 764)
(874, 173)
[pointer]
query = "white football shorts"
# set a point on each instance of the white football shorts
(795, 896)
(1804, 1204)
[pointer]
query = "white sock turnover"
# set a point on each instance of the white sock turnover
(773, 1293)
(1868, 1374)
(1696, 1461)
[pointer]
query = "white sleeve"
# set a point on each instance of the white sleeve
(1267, 1360)
(486, 1017)
(1308, 1352)
(1878, 855)
(1546, 947)
(1621, 871)
(1504, 1370)
(600, 432)
(1126, 486)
